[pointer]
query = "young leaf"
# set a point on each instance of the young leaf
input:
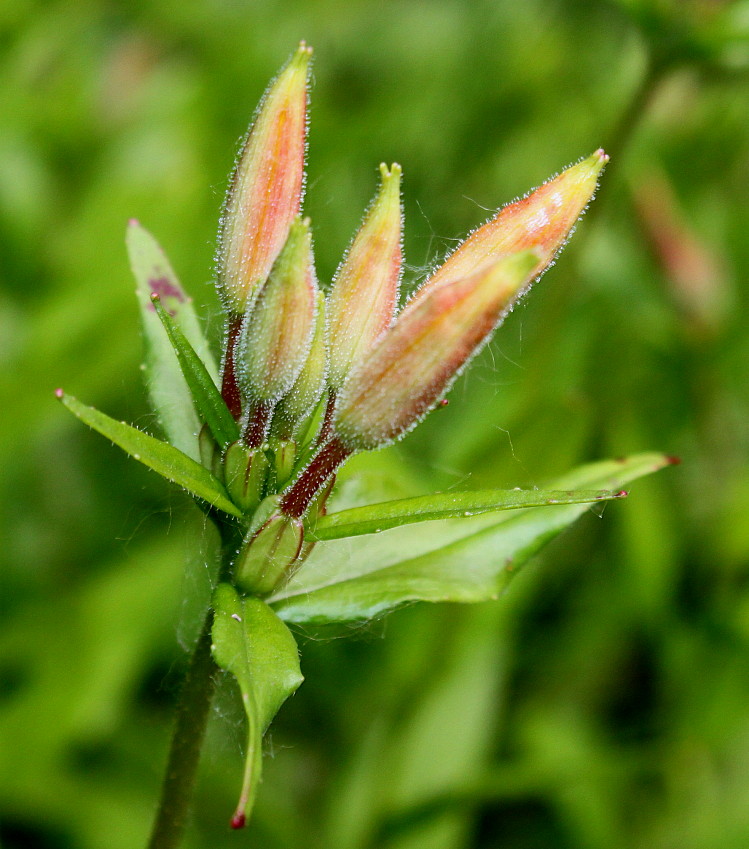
(203, 388)
(167, 388)
(375, 518)
(252, 643)
(462, 560)
(163, 458)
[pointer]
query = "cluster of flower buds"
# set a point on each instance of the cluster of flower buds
(313, 377)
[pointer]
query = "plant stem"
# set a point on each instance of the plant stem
(187, 740)
(193, 709)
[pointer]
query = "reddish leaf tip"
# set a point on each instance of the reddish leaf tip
(133, 222)
(444, 402)
(673, 460)
(155, 296)
(59, 393)
(623, 493)
(602, 155)
(238, 821)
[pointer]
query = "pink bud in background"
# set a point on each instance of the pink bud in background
(543, 221)
(414, 363)
(697, 277)
(266, 189)
(363, 298)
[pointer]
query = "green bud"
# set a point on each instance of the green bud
(245, 473)
(310, 383)
(269, 554)
(276, 332)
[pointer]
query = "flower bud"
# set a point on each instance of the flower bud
(266, 188)
(308, 387)
(269, 554)
(275, 336)
(245, 473)
(542, 221)
(416, 360)
(363, 298)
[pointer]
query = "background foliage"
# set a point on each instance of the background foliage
(602, 702)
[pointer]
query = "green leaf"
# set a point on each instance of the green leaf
(375, 518)
(168, 461)
(254, 645)
(170, 396)
(202, 386)
(463, 560)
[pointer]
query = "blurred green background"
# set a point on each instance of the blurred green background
(604, 702)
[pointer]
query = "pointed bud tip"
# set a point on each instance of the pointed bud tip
(602, 155)
(133, 222)
(301, 58)
(59, 393)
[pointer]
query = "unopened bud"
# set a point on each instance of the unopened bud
(268, 555)
(245, 473)
(310, 383)
(275, 336)
(362, 301)
(541, 221)
(416, 360)
(266, 188)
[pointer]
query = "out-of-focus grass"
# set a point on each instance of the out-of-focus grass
(602, 702)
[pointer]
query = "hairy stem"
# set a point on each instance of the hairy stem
(184, 753)
(229, 387)
(193, 709)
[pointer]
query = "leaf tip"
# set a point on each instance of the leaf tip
(238, 820)
(59, 393)
(133, 222)
(672, 460)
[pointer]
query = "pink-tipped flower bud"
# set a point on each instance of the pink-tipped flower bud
(414, 363)
(362, 301)
(266, 188)
(543, 221)
(276, 333)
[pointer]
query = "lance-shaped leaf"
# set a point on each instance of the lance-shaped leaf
(168, 461)
(414, 363)
(375, 518)
(204, 391)
(266, 188)
(252, 643)
(276, 334)
(169, 393)
(362, 300)
(543, 221)
(462, 560)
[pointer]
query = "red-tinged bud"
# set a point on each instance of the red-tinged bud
(266, 188)
(541, 221)
(310, 383)
(268, 556)
(362, 301)
(276, 333)
(416, 360)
